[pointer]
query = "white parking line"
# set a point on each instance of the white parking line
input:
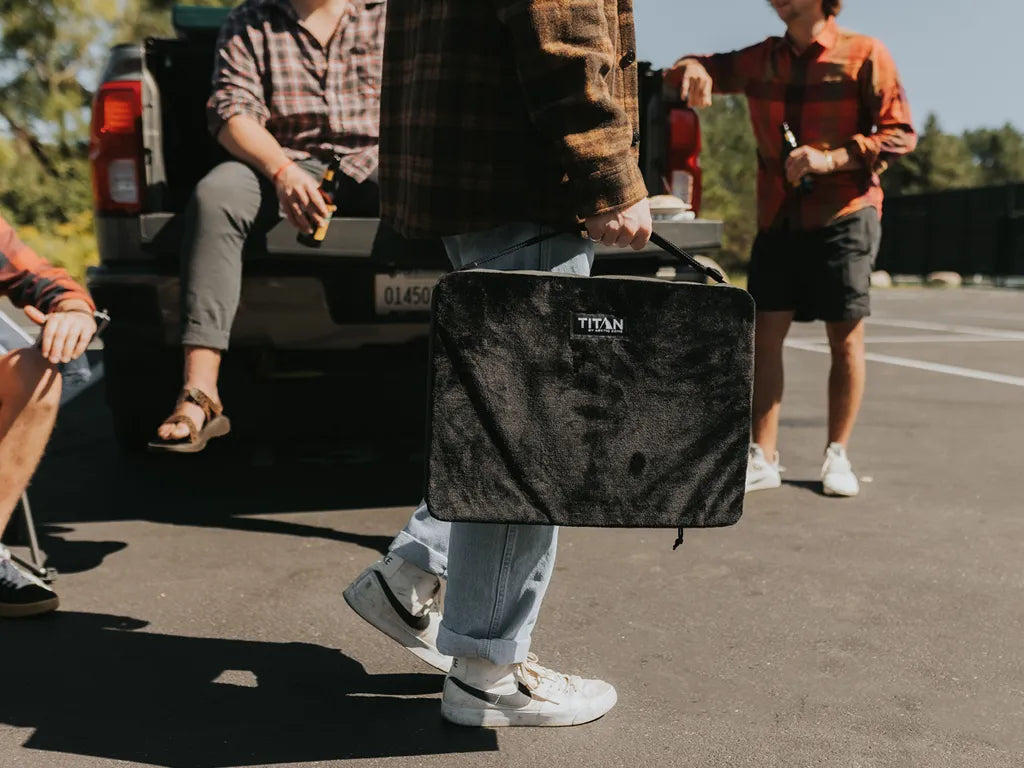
(906, 362)
(971, 330)
(1009, 316)
(925, 338)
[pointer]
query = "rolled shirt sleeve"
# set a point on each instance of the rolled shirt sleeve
(883, 93)
(237, 86)
(730, 72)
(564, 54)
(28, 279)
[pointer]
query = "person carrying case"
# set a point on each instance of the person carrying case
(588, 401)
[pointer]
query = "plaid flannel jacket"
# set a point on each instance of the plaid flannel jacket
(315, 101)
(502, 110)
(26, 278)
(842, 91)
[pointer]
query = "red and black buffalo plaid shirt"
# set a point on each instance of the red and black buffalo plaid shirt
(26, 278)
(842, 91)
(315, 100)
(496, 111)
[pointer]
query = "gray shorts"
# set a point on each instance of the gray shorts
(819, 274)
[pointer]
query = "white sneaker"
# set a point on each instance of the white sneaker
(398, 598)
(477, 692)
(761, 473)
(837, 477)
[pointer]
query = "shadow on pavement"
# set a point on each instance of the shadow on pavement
(807, 485)
(100, 686)
(74, 556)
(85, 477)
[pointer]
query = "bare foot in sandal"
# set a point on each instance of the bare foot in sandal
(197, 419)
(184, 407)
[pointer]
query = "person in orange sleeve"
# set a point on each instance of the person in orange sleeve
(829, 114)
(30, 387)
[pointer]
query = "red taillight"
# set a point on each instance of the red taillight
(684, 173)
(115, 147)
(119, 110)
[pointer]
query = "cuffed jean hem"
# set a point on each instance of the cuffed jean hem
(495, 650)
(200, 337)
(419, 554)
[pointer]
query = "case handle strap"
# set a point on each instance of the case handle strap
(535, 240)
(658, 240)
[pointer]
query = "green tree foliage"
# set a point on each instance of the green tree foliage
(999, 153)
(48, 51)
(51, 54)
(941, 161)
(729, 162)
(32, 195)
(146, 18)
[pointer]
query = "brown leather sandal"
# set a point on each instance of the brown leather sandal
(215, 424)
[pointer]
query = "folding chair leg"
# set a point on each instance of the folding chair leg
(36, 566)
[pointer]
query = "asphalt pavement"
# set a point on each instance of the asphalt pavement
(202, 622)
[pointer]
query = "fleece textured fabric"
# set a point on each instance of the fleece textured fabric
(588, 401)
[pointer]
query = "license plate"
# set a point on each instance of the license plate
(403, 292)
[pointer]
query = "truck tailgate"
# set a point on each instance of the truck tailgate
(354, 237)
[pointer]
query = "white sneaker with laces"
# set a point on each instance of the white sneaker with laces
(761, 473)
(837, 476)
(398, 598)
(479, 693)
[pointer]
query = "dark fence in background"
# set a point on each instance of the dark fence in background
(971, 231)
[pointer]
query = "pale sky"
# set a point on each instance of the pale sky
(961, 59)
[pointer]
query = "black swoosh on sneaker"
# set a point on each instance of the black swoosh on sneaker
(498, 699)
(419, 623)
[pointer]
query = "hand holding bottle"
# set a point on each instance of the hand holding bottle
(790, 148)
(300, 199)
(807, 161)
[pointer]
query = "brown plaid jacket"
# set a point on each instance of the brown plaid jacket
(314, 100)
(502, 110)
(26, 278)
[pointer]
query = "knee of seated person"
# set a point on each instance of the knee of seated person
(217, 188)
(27, 375)
(211, 194)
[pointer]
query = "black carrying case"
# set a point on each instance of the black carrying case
(588, 401)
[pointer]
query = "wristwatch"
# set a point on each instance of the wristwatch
(102, 319)
(99, 316)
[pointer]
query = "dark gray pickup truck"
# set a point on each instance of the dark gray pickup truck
(328, 342)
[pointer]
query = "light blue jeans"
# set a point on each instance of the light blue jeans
(497, 574)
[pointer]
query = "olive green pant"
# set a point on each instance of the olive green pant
(232, 204)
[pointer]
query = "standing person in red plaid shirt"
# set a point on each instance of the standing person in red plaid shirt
(296, 83)
(819, 207)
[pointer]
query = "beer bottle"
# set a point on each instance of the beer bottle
(328, 188)
(788, 145)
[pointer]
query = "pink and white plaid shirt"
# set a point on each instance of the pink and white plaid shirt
(315, 100)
